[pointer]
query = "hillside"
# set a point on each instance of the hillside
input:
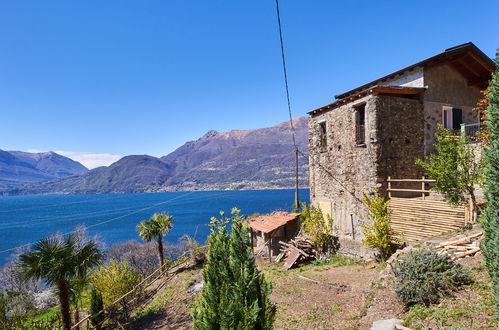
(240, 159)
(19, 168)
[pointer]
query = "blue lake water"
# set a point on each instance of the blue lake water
(113, 217)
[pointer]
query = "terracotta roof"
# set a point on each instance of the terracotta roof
(269, 222)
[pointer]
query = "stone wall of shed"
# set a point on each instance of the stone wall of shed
(446, 87)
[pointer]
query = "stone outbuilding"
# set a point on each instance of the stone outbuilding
(379, 129)
(267, 230)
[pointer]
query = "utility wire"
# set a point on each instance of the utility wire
(109, 220)
(285, 72)
(297, 201)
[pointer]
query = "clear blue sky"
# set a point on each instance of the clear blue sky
(143, 77)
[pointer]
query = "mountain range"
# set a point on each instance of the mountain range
(18, 168)
(261, 158)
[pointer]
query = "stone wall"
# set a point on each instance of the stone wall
(340, 175)
(401, 139)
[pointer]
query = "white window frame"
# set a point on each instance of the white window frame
(447, 117)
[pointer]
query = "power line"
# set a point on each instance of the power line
(109, 220)
(58, 204)
(128, 214)
(288, 99)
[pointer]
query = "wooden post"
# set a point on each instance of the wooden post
(88, 323)
(422, 188)
(270, 247)
(252, 243)
(389, 187)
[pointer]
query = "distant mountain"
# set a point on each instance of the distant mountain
(19, 168)
(240, 159)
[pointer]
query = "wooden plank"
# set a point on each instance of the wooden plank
(429, 213)
(410, 190)
(411, 180)
(423, 218)
(426, 218)
(291, 259)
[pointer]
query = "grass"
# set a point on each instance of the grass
(336, 308)
(164, 297)
(46, 319)
(335, 260)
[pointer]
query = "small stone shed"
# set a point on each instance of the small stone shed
(379, 129)
(267, 230)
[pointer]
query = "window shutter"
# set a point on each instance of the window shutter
(457, 118)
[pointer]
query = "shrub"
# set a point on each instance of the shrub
(378, 234)
(424, 276)
(235, 294)
(96, 305)
(490, 243)
(454, 166)
(114, 280)
(319, 228)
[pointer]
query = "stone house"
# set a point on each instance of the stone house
(379, 129)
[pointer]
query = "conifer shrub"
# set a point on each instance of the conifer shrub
(319, 228)
(490, 243)
(96, 305)
(424, 276)
(235, 293)
(378, 233)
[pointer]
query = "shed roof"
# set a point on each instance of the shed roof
(269, 222)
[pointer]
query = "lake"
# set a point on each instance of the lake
(113, 217)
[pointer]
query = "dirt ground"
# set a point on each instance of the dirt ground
(330, 296)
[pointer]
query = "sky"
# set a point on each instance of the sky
(97, 80)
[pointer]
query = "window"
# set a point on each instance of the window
(360, 125)
(323, 136)
(452, 118)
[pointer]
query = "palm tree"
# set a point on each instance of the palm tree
(59, 261)
(156, 227)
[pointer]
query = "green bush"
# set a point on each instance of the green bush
(424, 276)
(319, 228)
(96, 306)
(235, 294)
(114, 280)
(490, 243)
(378, 233)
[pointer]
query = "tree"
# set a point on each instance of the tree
(59, 261)
(490, 243)
(96, 307)
(235, 294)
(378, 233)
(454, 166)
(158, 226)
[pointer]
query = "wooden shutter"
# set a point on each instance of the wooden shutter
(457, 118)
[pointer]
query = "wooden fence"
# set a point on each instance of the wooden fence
(122, 304)
(414, 219)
